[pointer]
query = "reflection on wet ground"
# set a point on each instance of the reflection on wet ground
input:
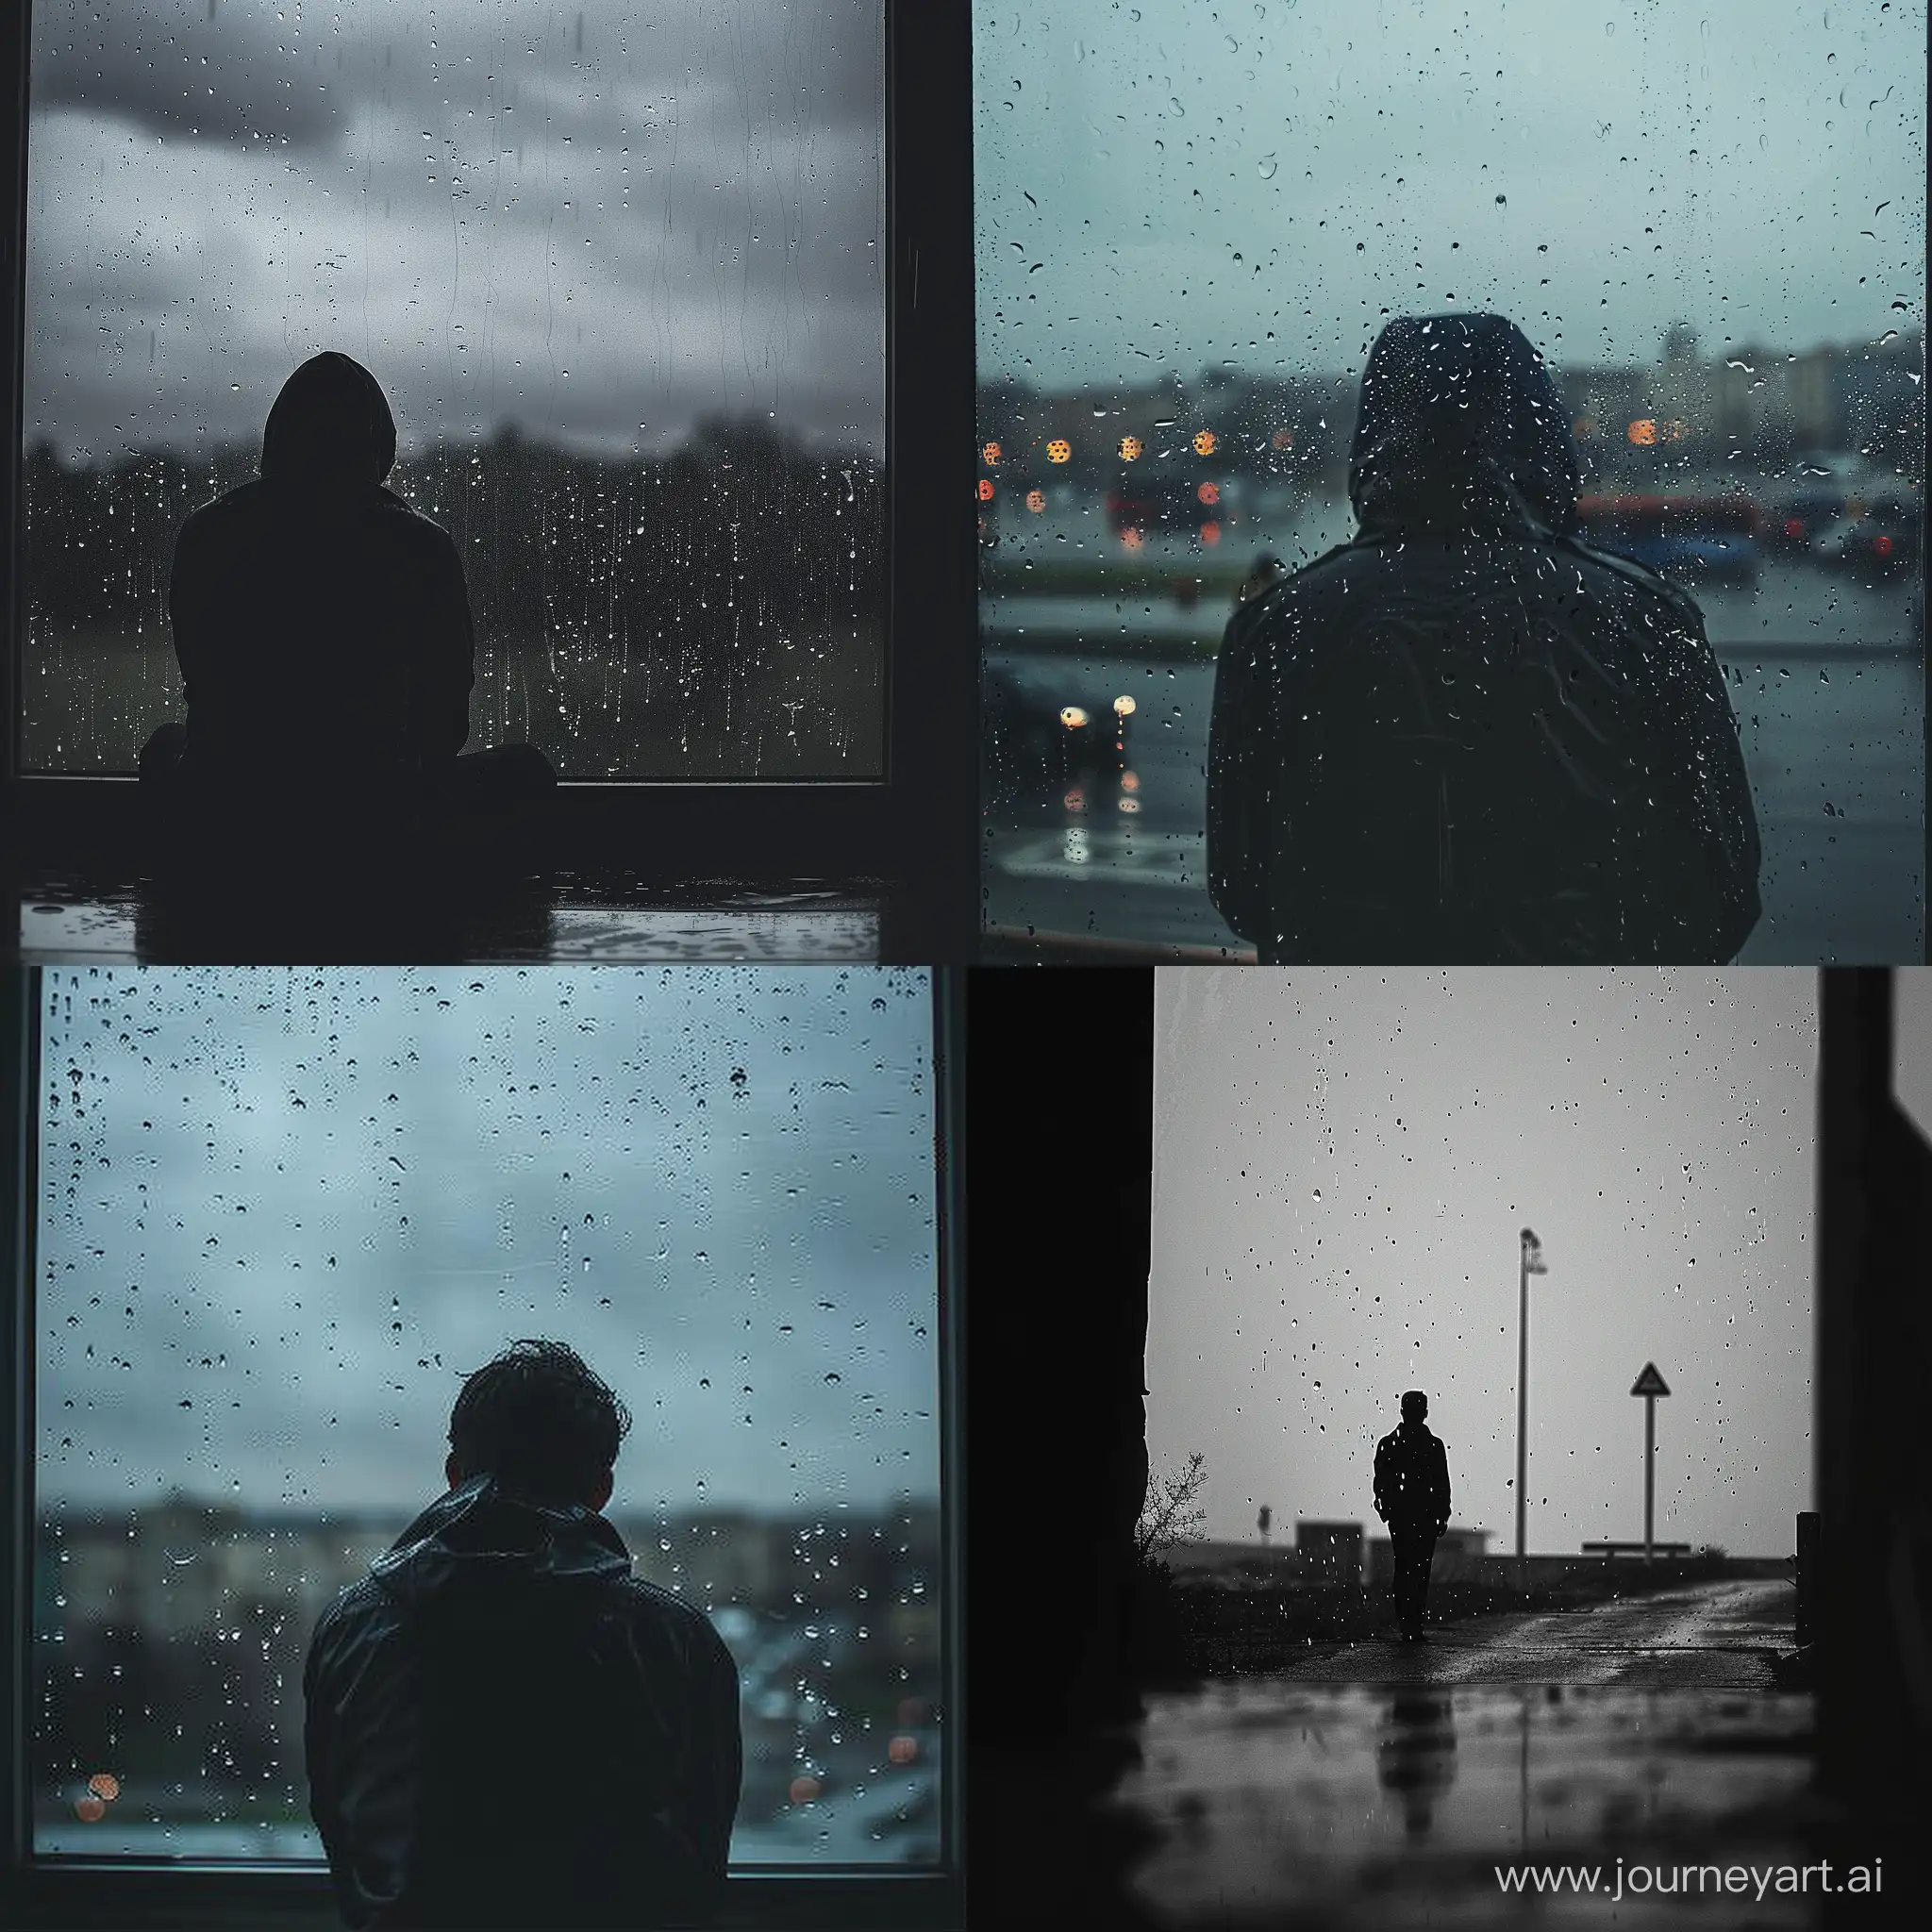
(1283, 1802)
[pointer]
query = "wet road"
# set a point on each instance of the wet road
(1829, 698)
(1716, 1637)
(1384, 1785)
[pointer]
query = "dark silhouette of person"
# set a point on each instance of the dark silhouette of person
(1466, 736)
(1412, 1498)
(505, 1727)
(323, 633)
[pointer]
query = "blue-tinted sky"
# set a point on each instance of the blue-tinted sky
(1168, 184)
(599, 221)
(283, 1211)
(1343, 1164)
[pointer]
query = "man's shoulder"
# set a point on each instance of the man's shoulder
(668, 1617)
(1391, 1441)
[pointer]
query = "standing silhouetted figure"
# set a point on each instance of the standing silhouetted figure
(505, 1727)
(1467, 737)
(1412, 1498)
(324, 632)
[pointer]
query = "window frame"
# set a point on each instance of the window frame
(914, 830)
(153, 1893)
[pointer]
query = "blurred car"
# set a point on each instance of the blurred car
(1792, 525)
(1877, 539)
(1187, 502)
(1681, 535)
(1034, 746)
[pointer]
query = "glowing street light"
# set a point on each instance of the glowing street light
(1130, 449)
(992, 452)
(1059, 450)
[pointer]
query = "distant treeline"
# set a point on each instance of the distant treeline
(739, 535)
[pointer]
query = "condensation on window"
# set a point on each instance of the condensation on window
(1191, 228)
(618, 271)
(282, 1213)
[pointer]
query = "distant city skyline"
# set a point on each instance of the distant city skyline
(1343, 1163)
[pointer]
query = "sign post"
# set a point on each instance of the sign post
(1649, 1385)
(1529, 1261)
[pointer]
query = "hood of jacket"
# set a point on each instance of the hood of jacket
(1461, 428)
(491, 1548)
(330, 428)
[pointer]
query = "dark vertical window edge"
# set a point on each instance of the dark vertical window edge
(916, 831)
(135, 1892)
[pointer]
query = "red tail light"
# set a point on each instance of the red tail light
(1882, 545)
(1793, 529)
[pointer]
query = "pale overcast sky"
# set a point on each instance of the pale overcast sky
(599, 221)
(1169, 184)
(283, 1212)
(1343, 1164)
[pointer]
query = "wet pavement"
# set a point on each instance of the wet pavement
(1384, 1785)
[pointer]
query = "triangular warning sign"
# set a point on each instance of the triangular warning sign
(1649, 1383)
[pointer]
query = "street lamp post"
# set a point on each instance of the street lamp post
(1531, 1262)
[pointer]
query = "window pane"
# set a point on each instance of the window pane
(281, 1213)
(618, 271)
(1709, 219)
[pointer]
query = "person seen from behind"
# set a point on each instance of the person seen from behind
(1467, 737)
(1412, 1498)
(505, 1727)
(324, 632)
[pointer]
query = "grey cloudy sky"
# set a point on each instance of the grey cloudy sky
(282, 1212)
(600, 222)
(1343, 1163)
(1168, 184)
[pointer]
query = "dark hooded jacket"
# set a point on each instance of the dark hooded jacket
(506, 1728)
(322, 627)
(1412, 1480)
(1466, 736)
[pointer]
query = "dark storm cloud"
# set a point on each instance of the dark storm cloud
(601, 223)
(284, 1212)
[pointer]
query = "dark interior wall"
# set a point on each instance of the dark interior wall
(1874, 1446)
(1059, 1166)
(1059, 1142)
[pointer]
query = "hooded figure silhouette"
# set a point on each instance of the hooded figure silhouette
(322, 626)
(1466, 736)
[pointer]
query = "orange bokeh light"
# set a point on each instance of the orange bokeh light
(1036, 500)
(1131, 540)
(1210, 533)
(1283, 439)
(992, 452)
(1209, 492)
(1643, 431)
(986, 489)
(104, 1784)
(1130, 449)
(1059, 450)
(89, 1810)
(902, 1750)
(1205, 441)
(804, 1789)
(1130, 781)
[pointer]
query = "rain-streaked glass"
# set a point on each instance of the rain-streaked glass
(281, 1213)
(1191, 225)
(618, 269)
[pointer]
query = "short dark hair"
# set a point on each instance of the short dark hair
(538, 1417)
(1414, 1402)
